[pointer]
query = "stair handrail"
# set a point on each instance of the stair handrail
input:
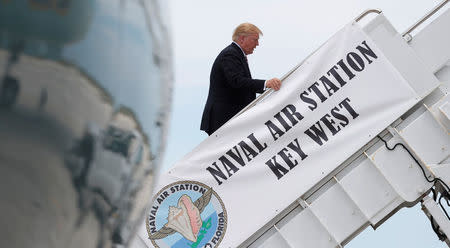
(423, 19)
(268, 91)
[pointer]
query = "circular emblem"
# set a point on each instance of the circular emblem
(186, 214)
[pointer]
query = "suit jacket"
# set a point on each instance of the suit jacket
(231, 88)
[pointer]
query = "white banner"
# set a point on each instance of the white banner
(262, 161)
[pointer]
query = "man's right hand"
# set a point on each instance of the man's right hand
(273, 83)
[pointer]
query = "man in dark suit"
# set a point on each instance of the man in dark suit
(231, 85)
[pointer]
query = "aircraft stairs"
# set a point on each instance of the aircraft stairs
(383, 177)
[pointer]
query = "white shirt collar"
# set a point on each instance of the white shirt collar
(240, 48)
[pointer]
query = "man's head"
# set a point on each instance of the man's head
(247, 36)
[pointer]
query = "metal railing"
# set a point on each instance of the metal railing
(423, 19)
(269, 91)
(357, 19)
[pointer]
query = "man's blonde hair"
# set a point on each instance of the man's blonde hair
(245, 29)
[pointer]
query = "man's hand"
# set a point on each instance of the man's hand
(273, 83)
